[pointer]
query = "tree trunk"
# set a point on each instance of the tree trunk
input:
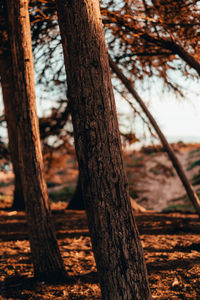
(47, 262)
(176, 163)
(115, 239)
(9, 103)
(77, 201)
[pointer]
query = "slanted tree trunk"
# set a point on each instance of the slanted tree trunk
(176, 163)
(115, 239)
(47, 261)
(9, 103)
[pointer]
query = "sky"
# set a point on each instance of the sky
(179, 119)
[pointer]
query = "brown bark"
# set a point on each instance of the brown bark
(186, 56)
(47, 262)
(9, 103)
(77, 201)
(115, 239)
(176, 163)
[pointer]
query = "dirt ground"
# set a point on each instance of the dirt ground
(171, 245)
(171, 241)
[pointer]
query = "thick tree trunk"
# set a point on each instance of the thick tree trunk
(9, 103)
(176, 163)
(47, 262)
(77, 201)
(115, 239)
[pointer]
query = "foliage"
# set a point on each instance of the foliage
(5, 198)
(143, 37)
(194, 164)
(135, 161)
(160, 168)
(196, 179)
(195, 154)
(62, 195)
(184, 206)
(179, 207)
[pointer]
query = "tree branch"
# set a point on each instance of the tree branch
(176, 163)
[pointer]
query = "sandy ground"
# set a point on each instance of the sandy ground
(157, 182)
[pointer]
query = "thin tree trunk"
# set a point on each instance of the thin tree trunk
(175, 48)
(47, 262)
(9, 103)
(176, 163)
(186, 56)
(115, 239)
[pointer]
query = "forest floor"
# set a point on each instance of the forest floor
(171, 241)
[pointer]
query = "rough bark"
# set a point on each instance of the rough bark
(115, 239)
(9, 103)
(47, 262)
(176, 163)
(77, 201)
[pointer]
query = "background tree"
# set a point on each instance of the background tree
(166, 29)
(8, 95)
(176, 163)
(51, 125)
(144, 37)
(47, 262)
(169, 30)
(153, 37)
(115, 240)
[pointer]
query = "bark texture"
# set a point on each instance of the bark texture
(176, 163)
(77, 201)
(8, 92)
(115, 239)
(47, 262)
